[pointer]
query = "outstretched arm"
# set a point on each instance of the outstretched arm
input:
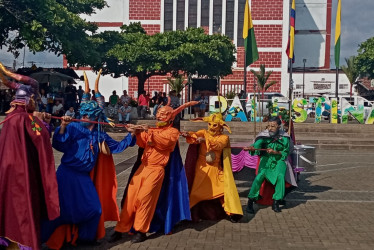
(117, 147)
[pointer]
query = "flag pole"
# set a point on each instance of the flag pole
(254, 102)
(245, 73)
(290, 54)
(290, 96)
(337, 83)
(219, 96)
(337, 46)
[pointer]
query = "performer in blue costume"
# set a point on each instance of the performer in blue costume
(79, 201)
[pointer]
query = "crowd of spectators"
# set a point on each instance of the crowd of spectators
(119, 108)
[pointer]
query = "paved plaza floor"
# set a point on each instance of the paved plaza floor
(333, 208)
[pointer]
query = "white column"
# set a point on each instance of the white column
(174, 14)
(285, 77)
(223, 28)
(236, 22)
(186, 14)
(210, 17)
(235, 27)
(198, 24)
(126, 14)
(162, 16)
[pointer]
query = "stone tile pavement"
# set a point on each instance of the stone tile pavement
(333, 208)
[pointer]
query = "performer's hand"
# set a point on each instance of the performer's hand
(271, 151)
(46, 117)
(131, 130)
(184, 134)
(200, 139)
(250, 148)
(145, 127)
(65, 120)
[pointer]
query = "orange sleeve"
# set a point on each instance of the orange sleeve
(141, 139)
(191, 139)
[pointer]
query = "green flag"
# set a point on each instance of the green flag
(250, 45)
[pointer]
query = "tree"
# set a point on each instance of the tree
(365, 58)
(350, 71)
(176, 83)
(262, 78)
(133, 53)
(53, 26)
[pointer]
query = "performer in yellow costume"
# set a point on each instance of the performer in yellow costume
(213, 192)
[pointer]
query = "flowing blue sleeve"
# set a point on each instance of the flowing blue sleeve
(117, 147)
(61, 141)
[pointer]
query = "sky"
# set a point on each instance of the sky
(357, 25)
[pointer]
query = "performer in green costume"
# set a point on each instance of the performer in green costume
(272, 164)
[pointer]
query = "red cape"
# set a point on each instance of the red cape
(28, 185)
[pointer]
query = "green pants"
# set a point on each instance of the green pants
(256, 185)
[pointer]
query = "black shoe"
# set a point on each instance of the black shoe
(250, 209)
(235, 218)
(116, 236)
(282, 202)
(93, 243)
(275, 206)
(138, 237)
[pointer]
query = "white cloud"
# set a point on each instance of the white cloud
(357, 20)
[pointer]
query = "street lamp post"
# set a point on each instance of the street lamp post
(304, 61)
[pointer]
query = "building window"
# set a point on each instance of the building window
(321, 86)
(168, 15)
(343, 86)
(299, 86)
(180, 14)
(205, 13)
(230, 19)
(241, 7)
(192, 13)
(217, 17)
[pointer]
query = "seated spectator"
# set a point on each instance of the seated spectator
(70, 112)
(124, 111)
(43, 102)
(125, 97)
(165, 99)
(159, 103)
(57, 110)
(113, 99)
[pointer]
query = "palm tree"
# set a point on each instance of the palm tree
(262, 78)
(350, 71)
(176, 83)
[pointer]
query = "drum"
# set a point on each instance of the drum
(304, 157)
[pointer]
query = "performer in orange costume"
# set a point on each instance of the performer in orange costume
(144, 188)
(213, 193)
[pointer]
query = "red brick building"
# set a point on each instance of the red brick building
(270, 18)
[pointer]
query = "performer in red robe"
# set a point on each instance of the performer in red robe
(28, 186)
